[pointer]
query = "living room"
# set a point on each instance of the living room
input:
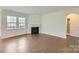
(23, 28)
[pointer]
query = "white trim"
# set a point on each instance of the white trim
(55, 35)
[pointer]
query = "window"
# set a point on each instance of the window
(21, 22)
(11, 22)
(15, 22)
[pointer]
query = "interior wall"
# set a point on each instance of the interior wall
(55, 23)
(9, 33)
(31, 20)
(51, 23)
(74, 24)
(0, 20)
(34, 21)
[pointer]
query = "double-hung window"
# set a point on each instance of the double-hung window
(21, 21)
(14, 22)
(11, 22)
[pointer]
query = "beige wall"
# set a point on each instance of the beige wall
(74, 24)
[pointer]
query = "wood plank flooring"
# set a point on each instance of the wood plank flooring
(28, 43)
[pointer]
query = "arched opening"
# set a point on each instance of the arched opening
(72, 21)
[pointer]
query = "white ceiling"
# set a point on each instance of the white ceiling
(36, 9)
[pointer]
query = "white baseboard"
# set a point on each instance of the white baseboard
(4, 37)
(54, 35)
(30, 33)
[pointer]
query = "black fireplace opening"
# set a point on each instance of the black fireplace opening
(34, 30)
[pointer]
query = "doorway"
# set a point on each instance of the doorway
(72, 33)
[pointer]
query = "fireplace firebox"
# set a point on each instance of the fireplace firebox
(34, 30)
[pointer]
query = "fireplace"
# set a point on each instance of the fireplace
(34, 30)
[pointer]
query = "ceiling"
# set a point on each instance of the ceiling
(36, 9)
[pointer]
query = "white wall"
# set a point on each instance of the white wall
(51, 23)
(55, 23)
(9, 33)
(0, 21)
(33, 21)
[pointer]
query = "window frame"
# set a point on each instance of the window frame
(22, 22)
(11, 21)
(17, 23)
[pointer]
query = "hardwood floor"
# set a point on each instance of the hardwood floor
(41, 43)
